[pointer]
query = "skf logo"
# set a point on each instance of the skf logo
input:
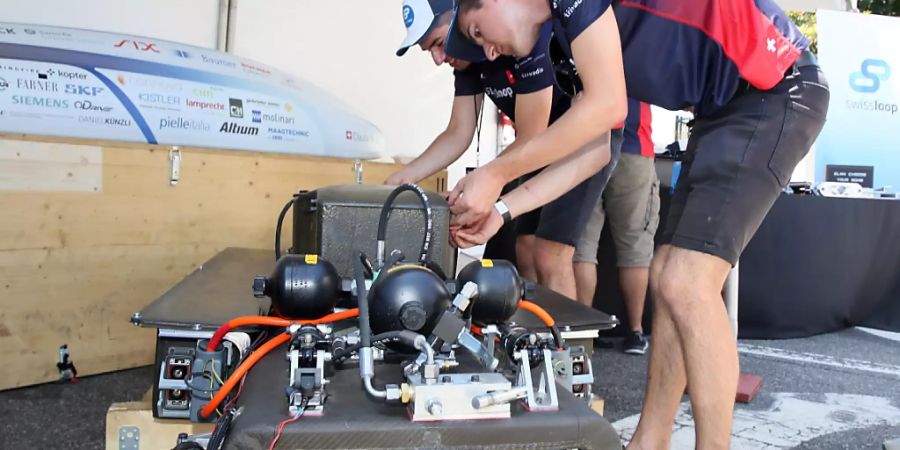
(871, 73)
(83, 90)
(408, 17)
(138, 45)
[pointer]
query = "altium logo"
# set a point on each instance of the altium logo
(233, 128)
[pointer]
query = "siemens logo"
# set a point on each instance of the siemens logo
(42, 102)
(499, 93)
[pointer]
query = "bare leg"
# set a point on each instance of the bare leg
(634, 282)
(666, 378)
(525, 256)
(585, 282)
(554, 266)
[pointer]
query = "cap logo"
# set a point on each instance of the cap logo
(408, 15)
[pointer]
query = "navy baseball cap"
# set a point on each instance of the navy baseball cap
(420, 17)
(459, 46)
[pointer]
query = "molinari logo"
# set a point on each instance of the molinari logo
(257, 116)
(212, 106)
(278, 118)
(41, 102)
(180, 123)
(871, 73)
(233, 128)
(87, 105)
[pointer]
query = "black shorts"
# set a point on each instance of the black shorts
(740, 158)
(564, 219)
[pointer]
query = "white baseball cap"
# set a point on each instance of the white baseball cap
(420, 17)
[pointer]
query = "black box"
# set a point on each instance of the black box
(334, 221)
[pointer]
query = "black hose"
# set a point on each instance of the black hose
(557, 336)
(217, 438)
(278, 224)
(404, 336)
(425, 252)
(365, 332)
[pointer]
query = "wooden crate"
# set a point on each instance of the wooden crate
(91, 232)
(154, 434)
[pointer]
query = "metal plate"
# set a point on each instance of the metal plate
(129, 438)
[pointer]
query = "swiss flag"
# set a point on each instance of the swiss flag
(349, 135)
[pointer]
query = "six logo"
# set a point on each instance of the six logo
(138, 45)
(871, 73)
(236, 108)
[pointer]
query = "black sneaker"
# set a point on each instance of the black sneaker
(635, 343)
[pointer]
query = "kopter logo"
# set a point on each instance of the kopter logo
(871, 73)
(408, 15)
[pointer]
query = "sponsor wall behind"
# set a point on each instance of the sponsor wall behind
(79, 83)
(859, 55)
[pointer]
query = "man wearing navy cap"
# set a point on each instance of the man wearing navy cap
(759, 102)
(525, 89)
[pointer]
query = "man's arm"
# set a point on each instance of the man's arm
(598, 55)
(448, 146)
(603, 104)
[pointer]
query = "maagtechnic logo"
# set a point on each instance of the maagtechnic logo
(871, 73)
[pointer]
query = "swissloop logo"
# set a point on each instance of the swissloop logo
(408, 15)
(871, 73)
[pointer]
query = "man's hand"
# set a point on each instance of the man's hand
(401, 176)
(473, 197)
(477, 234)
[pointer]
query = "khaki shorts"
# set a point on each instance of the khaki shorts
(631, 200)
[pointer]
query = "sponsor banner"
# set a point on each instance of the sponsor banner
(863, 71)
(81, 83)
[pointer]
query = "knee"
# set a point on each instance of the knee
(551, 259)
(671, 292)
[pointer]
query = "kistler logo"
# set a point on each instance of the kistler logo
(871, 73)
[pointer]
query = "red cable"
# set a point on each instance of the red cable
(281, 429)
(217, 337)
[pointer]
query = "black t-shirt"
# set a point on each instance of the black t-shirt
(506, 77)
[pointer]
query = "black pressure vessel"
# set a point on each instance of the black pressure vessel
(499, 289)
(407, 297)
(301, 287)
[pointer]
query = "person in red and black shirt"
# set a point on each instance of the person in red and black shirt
(759, 101)
(630, 205)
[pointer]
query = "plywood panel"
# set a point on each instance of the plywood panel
(49, 167)
(74, 266)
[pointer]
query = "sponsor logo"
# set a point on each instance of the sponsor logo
(3, 84)
(288, 107)
(149, 83)
(571, 9)
(233, 128)
(212, 106)
(357, 136)
(42, 102)
(255, 69)
(83, 90)
(408, 16)
(506, 92)
(37, 85)
(105, 121)
(47, 34)
(87, 105)
(182, 54)
(236, 108)
(292, 132)
(278, 118)
(59, 73)
(138, 45)
(30, 31)
(770, 45)
(218, 61)
(510, 78)
(7, 31)
(180, 123)
(160, 98)
(532, 73)
(257, 116)
(201, 92)
(873, 105)
(871, 73)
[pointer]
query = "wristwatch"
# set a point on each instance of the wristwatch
(504, 211)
